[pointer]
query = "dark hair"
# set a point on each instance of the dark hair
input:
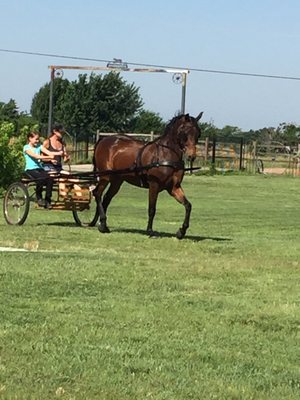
(32, 134)
(58, 127)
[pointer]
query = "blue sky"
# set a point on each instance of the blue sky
(258, 36)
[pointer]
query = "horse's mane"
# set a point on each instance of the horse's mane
(176, 118)
(173, 121)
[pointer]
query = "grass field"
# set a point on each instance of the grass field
(122, 316)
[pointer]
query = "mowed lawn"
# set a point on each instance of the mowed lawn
(122, 316)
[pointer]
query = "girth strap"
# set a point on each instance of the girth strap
(172, 164)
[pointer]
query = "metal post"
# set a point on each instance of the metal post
(213, 157)
(183, 93)
(241, 154)
(51, 101)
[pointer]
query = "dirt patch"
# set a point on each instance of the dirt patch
(276, 171)
(282, 171)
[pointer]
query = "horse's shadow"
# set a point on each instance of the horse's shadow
(157, 235)
(61, 224)
(192, 238)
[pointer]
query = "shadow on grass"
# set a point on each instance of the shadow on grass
(61, 224)
(192, 238)
(171, 235)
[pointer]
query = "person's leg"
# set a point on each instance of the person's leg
(42, 179)
(49, 186)
(48, 182)
(35, 175)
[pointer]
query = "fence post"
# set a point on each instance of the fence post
(97, 135)
(213, 157)
(254, 156)
(206, 148)
(241, 153)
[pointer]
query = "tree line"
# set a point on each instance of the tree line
(104, 102)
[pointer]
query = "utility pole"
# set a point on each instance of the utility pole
(183, 94)
(51, 100)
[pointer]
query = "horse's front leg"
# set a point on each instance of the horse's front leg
(179, 195)
(153, 194)
(102, 227)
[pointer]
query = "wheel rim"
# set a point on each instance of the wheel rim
(87, 216)
(16, 204)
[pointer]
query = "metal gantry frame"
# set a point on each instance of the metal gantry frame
(56, 71)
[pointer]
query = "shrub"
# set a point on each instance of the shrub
(11, 158)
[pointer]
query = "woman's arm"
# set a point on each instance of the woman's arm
(65, 154)
(39, 156)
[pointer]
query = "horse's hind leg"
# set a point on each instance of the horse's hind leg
(111, 192)
(179, 195)
(103, 228)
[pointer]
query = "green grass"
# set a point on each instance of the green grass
(122, 316)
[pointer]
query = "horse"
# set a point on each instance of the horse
(157, 165)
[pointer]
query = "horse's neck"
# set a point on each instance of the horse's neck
(169, 140)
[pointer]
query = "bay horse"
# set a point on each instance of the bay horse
(157, 165)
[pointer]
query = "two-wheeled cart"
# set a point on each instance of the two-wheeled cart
(72, 192)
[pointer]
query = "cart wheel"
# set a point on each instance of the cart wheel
(88, 216)
(16, 204)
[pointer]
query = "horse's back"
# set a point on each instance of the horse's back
(116, 152)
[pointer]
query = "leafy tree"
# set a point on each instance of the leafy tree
(147, 121)
(104, 102)
(208, 129)
(288, 133)
(230, 131)
(26, 121)
(40, 102)
(266, 135)
(9, 112)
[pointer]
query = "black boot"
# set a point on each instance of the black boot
(40, 202)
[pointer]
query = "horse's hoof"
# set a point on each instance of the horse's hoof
(103, 229)
(152, 234)
(180, 234)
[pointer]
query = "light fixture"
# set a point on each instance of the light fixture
(117, 63)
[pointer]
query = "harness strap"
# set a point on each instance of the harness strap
(173, 164)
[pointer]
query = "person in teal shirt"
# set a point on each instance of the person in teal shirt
(34, 168)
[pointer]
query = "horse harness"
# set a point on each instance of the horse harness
(139, 169)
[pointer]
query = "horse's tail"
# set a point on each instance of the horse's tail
(94, 158)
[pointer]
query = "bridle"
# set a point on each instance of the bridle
(179, 151)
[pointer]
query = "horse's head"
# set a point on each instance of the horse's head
(188, 133)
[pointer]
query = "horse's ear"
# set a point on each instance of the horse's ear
(187, 117)
(199, 116)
